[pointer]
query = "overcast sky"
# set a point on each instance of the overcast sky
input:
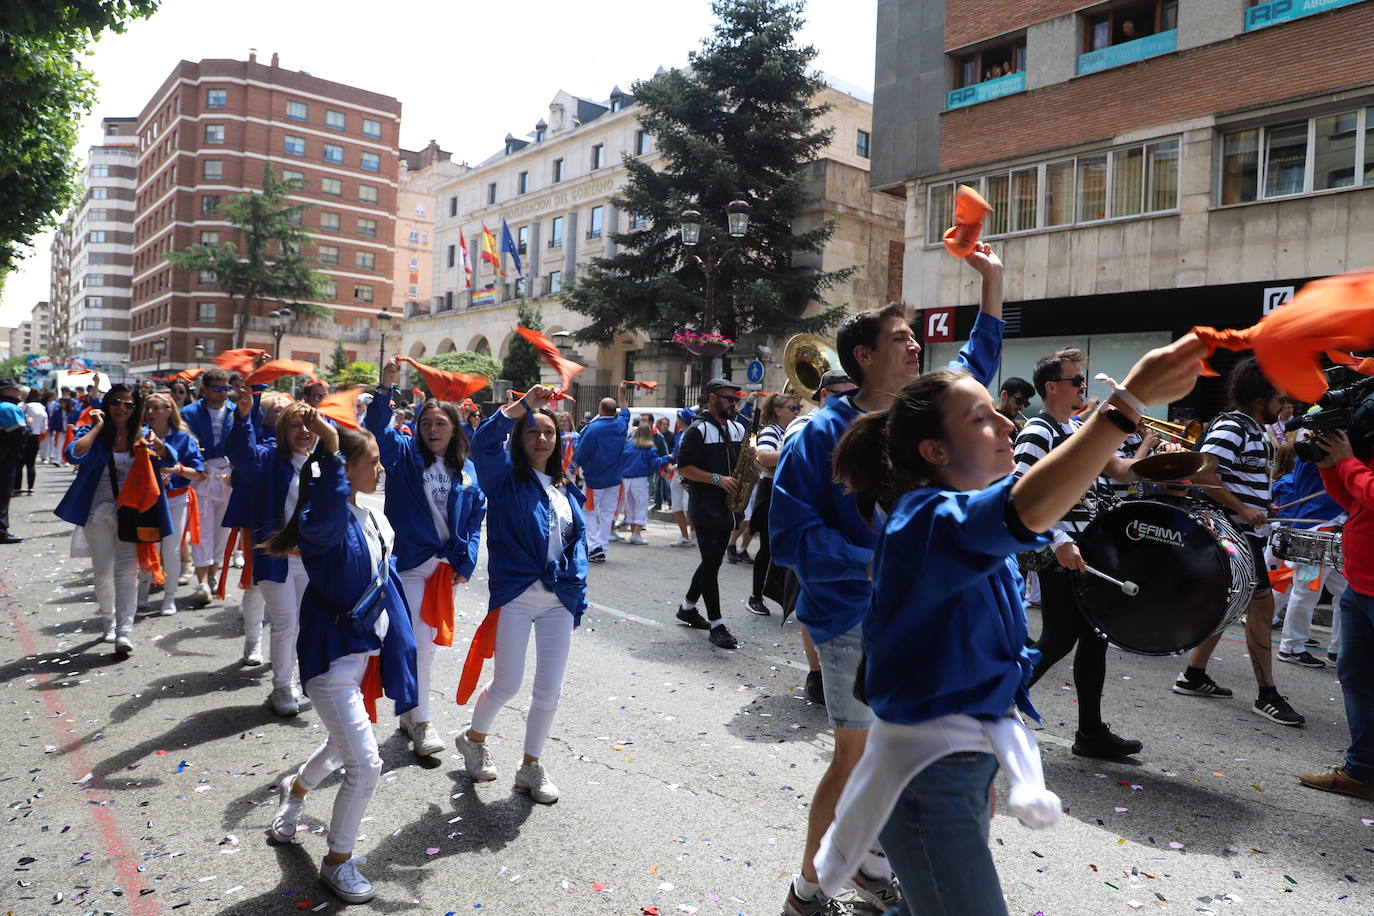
(466, 72)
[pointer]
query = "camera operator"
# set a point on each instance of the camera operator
(1350, 482)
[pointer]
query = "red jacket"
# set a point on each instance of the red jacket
(1351, 484)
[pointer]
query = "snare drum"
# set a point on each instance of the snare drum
(1313, 547)
(1194, 570)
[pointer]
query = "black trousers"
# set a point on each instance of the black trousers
(713, 526)
(9, 463)
(28, 460)
(758, 523)
(1063, 628)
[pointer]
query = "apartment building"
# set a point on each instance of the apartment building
(1152, 164)
(40, 323)
(420, 172)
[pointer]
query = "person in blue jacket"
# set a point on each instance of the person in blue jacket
(933, 469)
(434, 503)
(352, 613)
(162, 417)
(640, 460)
(537, 577)
(104, 455)
(600, 453)
(210, 418)
(816, 531)
(1318, 511)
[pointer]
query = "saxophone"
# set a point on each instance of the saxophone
(745, 470)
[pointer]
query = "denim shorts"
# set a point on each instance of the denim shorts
(839, 665)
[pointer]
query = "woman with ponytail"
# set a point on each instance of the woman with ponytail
(436, 507)
(934, 470)
(537, 577)
(106, 454)
(164, 419)
(355, 640)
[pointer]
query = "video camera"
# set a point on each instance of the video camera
(1350, 409)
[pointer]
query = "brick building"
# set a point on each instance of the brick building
(206, 134)
(1153, 164)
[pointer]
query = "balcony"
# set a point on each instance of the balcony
(315, 329)
(985, 91)
(1128, 52)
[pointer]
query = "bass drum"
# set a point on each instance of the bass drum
(1192, 566)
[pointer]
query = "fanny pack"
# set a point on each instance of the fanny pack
(132, 526)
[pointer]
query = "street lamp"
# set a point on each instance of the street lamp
(200, 352)
(383, 321)
(737, 224)
(277, 321)
(158, 346)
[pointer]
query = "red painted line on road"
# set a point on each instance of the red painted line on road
(126, 866)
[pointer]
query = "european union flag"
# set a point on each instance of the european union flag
(508, 246)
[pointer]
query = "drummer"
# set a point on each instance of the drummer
(1241, 485)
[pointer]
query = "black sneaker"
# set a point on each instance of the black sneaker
(731, 554)
(756, 606)
(722, 639)
(745, 558)
(1313, 644)
(1304, 658)
(692, 617)
(1331, 657)
(1206, 687)
(1104, 744)
(597, 555)
(815, 687)
(1276, 709)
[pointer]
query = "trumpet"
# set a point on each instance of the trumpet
(1185, 434)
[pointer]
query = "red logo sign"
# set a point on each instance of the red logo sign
(939, 325)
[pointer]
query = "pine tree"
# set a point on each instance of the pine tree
(338, 363)
(738, 123)
(522, 363)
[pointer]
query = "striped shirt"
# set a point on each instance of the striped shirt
(770, 439)
(1116, 488)
(1041, 434)
(1245, 455)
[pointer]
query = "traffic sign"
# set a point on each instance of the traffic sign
(755, 372)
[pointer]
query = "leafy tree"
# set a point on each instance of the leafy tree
(338, 362)
(270, 266)
(521, 366)
(47, 91)
(461, 361)
(359, 373)
(738, 123)
(13, 366)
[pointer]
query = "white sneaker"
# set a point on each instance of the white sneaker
(289, 811)
(200, 595)
(123, 646)
(347, 883)
(531, 778)
(283, 700)
(638, 539)
(476, 758)
(168, 610)
(423, 736)
(237, 560)
(109, 634)
(185, 579)
(616, 537)
(252, 654)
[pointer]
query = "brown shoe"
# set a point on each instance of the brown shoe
(1338, 780)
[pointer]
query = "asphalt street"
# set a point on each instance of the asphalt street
(145, 786)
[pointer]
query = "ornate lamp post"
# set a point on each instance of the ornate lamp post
(383, 321)
(159, 346)
(277, 322)
(737, 224)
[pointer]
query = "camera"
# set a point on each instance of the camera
(1350, 409)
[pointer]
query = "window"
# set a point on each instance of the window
(641, 142)
(95, 302)
(555, 281)
(212, 169)
(521, 288)
(367, 193)
(291, 216)
(1129, 22)
(329, 254)
(369, 162)
(522, 185)
(362, 293)
(372, 128)
(598, 156)
(452, 258)
(1092, 188)
(205, 278)
(293, 175)
(990, 63)
(1274, 161)
(1333, 151)
(95, 237)
(491, 192)
(98, 215)
(419, 209)
(209, 239)
(414, 263)
(216, 98)
(415, 236)
(100, 193)
(214, 133)
(331, 186)
(333, 153)
(594, 224)
(334, 120)
(95, 280)
(100, 171)
(329, 289)
(539, 134)
(365, 260)
(556, 232)
(367, 228)
(295, 146)
(638, 221)
(453, 206)
(861, 143)
(1161, 160)
(329, 221)
(522, 239)
(205, 312)
(295, 111)
(557, 170)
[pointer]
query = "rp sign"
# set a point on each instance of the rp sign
(939, 325)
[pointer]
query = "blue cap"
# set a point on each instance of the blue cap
(687, 415)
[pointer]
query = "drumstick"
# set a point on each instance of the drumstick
(1303, 500)
(1128, 588)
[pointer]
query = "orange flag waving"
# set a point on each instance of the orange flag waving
(449, 386)
(279, 368)
(565, 367)
(240, 361)
(970, 209)
(187, 375)
(647, 386)
(340, 406)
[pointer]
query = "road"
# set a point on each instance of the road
(144, 787)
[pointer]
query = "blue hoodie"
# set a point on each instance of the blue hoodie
(518, 527)
(263, 478)
(600, 450)
(641, 461)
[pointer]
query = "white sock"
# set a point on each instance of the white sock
(806, 890)
(875, 865)
(717, 623)
(688, 606)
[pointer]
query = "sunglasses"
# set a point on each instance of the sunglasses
(221, 388)
(127, 405)
(1017, 399)
(1077, 381)
(732, 398)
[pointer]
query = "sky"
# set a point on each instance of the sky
(466, 72)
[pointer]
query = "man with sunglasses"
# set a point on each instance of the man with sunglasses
(210, 419)
(1014, 396)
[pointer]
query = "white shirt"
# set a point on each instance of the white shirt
(293, 489)
(560, 516)
(379, 536)
(438, 490)
(123, 462)
(37, 415)
(217, 422)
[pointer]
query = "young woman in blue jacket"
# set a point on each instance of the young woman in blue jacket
(537, 576)
(640, 460)
(161, 415)
(104, 448)
(936, 464)
(436, 507)
(353, 622)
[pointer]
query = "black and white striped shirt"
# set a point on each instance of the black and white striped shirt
(770, 438)
(1246, 457)
(1041, 434)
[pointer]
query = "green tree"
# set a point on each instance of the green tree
(359, 373)
(521, 365)
(338, 362)
(46, 93)
(739, 122)
(271, 265)
(461, 361)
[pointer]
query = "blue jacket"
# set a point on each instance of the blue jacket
(197, 416)
(946, 589)
(264, 478)
(600, 450)
(334, 551)
(188, 454)
(57, 420)
(518, 527)
(244, 509)
(1304, 480)
(815, 528)
(407, 505)
(75, 506)
(641, 462)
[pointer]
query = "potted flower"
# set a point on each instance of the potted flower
(706, 344)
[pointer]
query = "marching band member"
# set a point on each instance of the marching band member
(436, 508)
(162, 417)
(778, 411)
(210, 419)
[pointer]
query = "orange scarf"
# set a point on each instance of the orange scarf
(192, 517)
(970, 209)
(140, 492)
(483, 647)
(436, 609)
(371, 686)
(244, 539)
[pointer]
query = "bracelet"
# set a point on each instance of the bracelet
(715, 480)
(1130, 400)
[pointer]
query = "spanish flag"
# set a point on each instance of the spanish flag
(467, 262)
(490, 253)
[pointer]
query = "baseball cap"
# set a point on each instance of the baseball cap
(722, 384)
(833, 377)
(8, 382)
(687, 415)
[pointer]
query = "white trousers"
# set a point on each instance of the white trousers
(116, 570)
(252, 606)
(636, 500)
(1297, 623)
(212, 498)
(338, 701)
(171, 557)
(413, 583)
(283, 603)
(51, 449)
(540, 609)
(603, 517)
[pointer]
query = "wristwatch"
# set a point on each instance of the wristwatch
(715, 480)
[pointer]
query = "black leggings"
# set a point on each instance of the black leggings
(28, 458)
(758, 523)
(1062, 626)
(713, 534)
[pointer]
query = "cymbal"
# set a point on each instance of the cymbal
(1174, 466)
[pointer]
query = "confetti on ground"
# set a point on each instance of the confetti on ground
(1175, 844)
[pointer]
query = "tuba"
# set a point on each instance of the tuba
(805, 359)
